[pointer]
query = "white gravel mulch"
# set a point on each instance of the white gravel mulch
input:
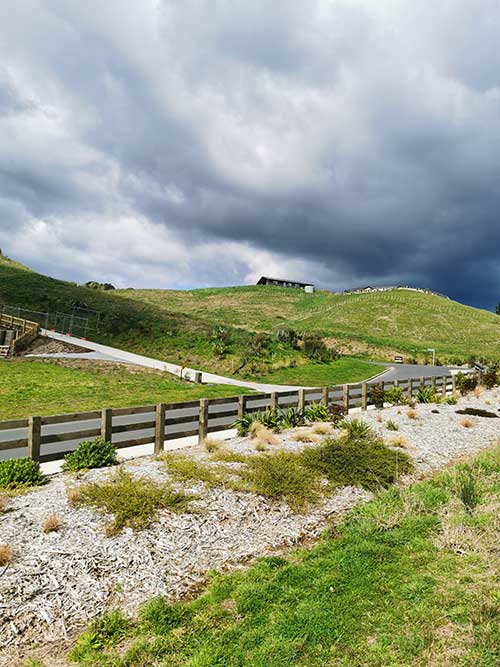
(60, 580)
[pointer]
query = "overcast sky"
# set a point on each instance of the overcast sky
(182, 143)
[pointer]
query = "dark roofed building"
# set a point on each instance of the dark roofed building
(265, 280)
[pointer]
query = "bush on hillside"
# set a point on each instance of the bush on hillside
(315, 349)
(90, 454)
(221, 337)
(16, 473)
(288, 337)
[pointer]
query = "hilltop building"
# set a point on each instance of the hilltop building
(265, 280)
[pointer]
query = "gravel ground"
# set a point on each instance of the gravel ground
(60, 580)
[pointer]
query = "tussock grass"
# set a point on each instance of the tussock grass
(134, 503)
(397, 441)
(51, 523)
(467, 423)
(407, 579)
(263, 434)
(6, 554)
(212, 445)
(323, 429)
(411, 413)
(3, 504)
(305, 435)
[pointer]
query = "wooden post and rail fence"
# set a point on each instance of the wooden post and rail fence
(41, 437)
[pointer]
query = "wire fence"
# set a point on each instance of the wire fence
(80, 322)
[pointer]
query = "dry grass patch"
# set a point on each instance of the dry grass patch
(51, 523)
(73, 495)
(467, 423)
(397, 441)
(3, 504)
(263, 435)
(305, 435)
(478, 390)
(323, 429)
(212, 445)
(378, 418)
(6, 554)
(411, 413)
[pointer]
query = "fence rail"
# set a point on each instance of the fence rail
(40, 438)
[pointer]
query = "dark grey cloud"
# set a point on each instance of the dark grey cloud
(193, 143)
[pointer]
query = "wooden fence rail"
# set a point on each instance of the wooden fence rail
(128, 427)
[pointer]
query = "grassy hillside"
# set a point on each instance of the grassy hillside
(42, 388)
(399, 320)
(178, 325)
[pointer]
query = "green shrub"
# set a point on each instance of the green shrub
(465, 383)
(451, 400)
(490, 378)
(395, 396)
(90, 454)
(271, 418)
(376, 395)
(242, 424)
(337, 413)
(392, 426)
(281, 475)
(133, 502)
(315, 349)
(317, 412)
(221, 338)
(356, 429)
(291, 417)
(425, 395)
(348, 461)
(16, 473)
(288, 337)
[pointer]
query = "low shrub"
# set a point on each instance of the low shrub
(90, 454)
(337, 413)
(465, 382)
(376, 395)
(134, 503)
(346, 461)
(425, 395)
(356, 429)
(317, 412)
(490, 378)
(291, 418)
(315, 349)
(288, 337)
(282, 475)
(18, 473)
(395, 396)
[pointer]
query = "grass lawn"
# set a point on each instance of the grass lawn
(43, 388)
(345, 369)
(410, 578)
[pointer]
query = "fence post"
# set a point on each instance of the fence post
(160, 428)
(324, 396)
(346, 398)
(274, 400)
(242, 405)
(34, 436)
(197, 377)
(422, 382)
(106, 424)
(454, 386)
(433, 383)
(301, 400)
(203, 423)
(410, 388)
(444, 380)
(364, 396)
(396, 383)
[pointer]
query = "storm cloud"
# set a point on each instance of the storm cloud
(192, 143)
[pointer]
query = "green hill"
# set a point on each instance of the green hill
(399, 320)
(178, 325)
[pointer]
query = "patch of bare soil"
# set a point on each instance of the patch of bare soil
(44, 345)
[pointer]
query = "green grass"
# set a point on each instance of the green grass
(345, 369)
(134, 503)
(408, 579)
(42, 388)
